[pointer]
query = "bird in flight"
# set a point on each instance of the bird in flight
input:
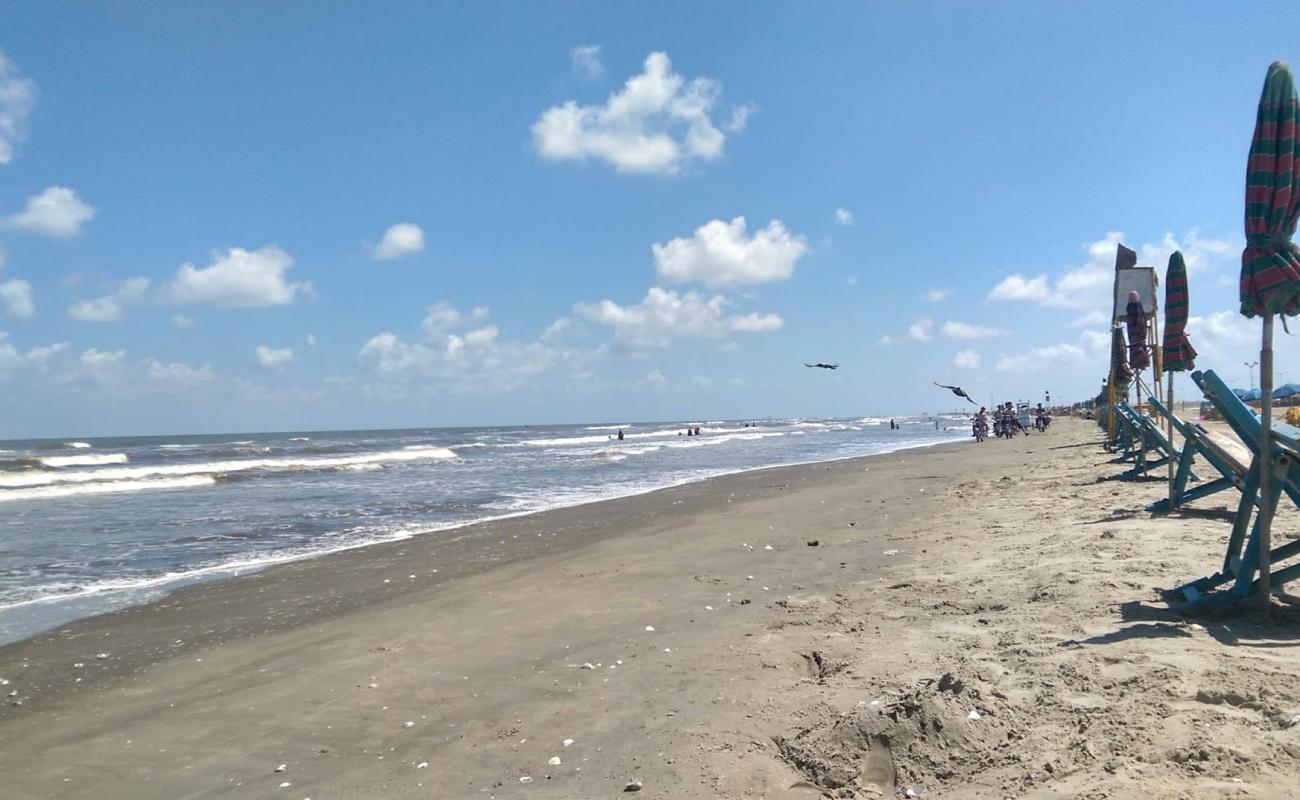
(823, 366)
(957, 390)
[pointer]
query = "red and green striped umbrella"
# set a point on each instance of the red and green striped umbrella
(1179, 355)
(1120, 374)
(1136, 318)
(1270, 264)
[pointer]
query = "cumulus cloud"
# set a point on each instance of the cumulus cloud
(656, 378)
(739, 117)
(586, 61)
(57, 212)
(176, 374)
(922, 330)
(721, 253)
(182, 321)
(456, 356)
(935, 295)
(965, 330)
(12, 359)
(967, 359)
(665, 315)
(1042, 358)
(16, 299)
(273, 358)
(1089, 286)
(237, 278)
(443, 316)
(843, 216)
(656, 124)
(17, 97)
(110, 307)
(402, 239)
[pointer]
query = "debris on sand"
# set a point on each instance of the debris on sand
(554, 762)
(813, 542)
(632, 786)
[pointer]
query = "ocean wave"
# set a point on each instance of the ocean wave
(39, 478)
(104, 487)
(300, 438)
(88, 460)
(608, 427)
(77, 445)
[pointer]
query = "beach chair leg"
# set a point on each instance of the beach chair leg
(1241, 523)
(1248, 567)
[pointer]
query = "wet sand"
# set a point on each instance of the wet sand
(697, 640)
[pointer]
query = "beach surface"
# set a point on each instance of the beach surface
(964, 621)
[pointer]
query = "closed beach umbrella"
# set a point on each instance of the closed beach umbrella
(1270, 264)
(1136, 317)
(1120, 374)
(1179, 355)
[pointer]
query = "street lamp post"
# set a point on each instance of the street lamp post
(1251, 366)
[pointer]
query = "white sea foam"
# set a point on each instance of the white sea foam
(105, 487)
(88, 460)
(77, 445)
(609, 427)
(40, 478)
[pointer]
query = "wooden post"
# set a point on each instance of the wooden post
(1169, 424)
(1266, 464)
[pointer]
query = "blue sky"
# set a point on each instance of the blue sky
(243, 216)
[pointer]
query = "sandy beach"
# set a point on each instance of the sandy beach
(959, 621)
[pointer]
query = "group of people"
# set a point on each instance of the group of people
(1006, 421)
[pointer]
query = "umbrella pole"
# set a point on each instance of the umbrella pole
(1141, 461)
(1266, 463)
(1169, 425)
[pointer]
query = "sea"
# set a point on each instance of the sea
(89, 526)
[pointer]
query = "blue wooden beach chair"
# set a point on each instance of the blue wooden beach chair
(1241, 562)
(1197, 442)
(1145, 438)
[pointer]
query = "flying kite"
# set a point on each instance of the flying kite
(822, 366)
(957, 390)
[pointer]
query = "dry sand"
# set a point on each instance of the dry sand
(1014, 579)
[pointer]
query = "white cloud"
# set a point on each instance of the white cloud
(17, 97)
(1088, 287)
(272, 358)
(443, 316)
(720, 253)
(57, 211)
(739, 117)
(843, 216)
(12, 360)
(665, 315)
(586, 61)
(702, 382)
(655, 378)
(558, 329)
(1042, 358)
(935, 295)
(1091, 319)
(458, 361)
(110, 307)
(402, 239)
(922, 330)
(311, 340)
(16, 299)
(182, 321)
(1018, 287)
(178, 374)
(655, 124)
(237, 279)
(965, 330)
(967, 359)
